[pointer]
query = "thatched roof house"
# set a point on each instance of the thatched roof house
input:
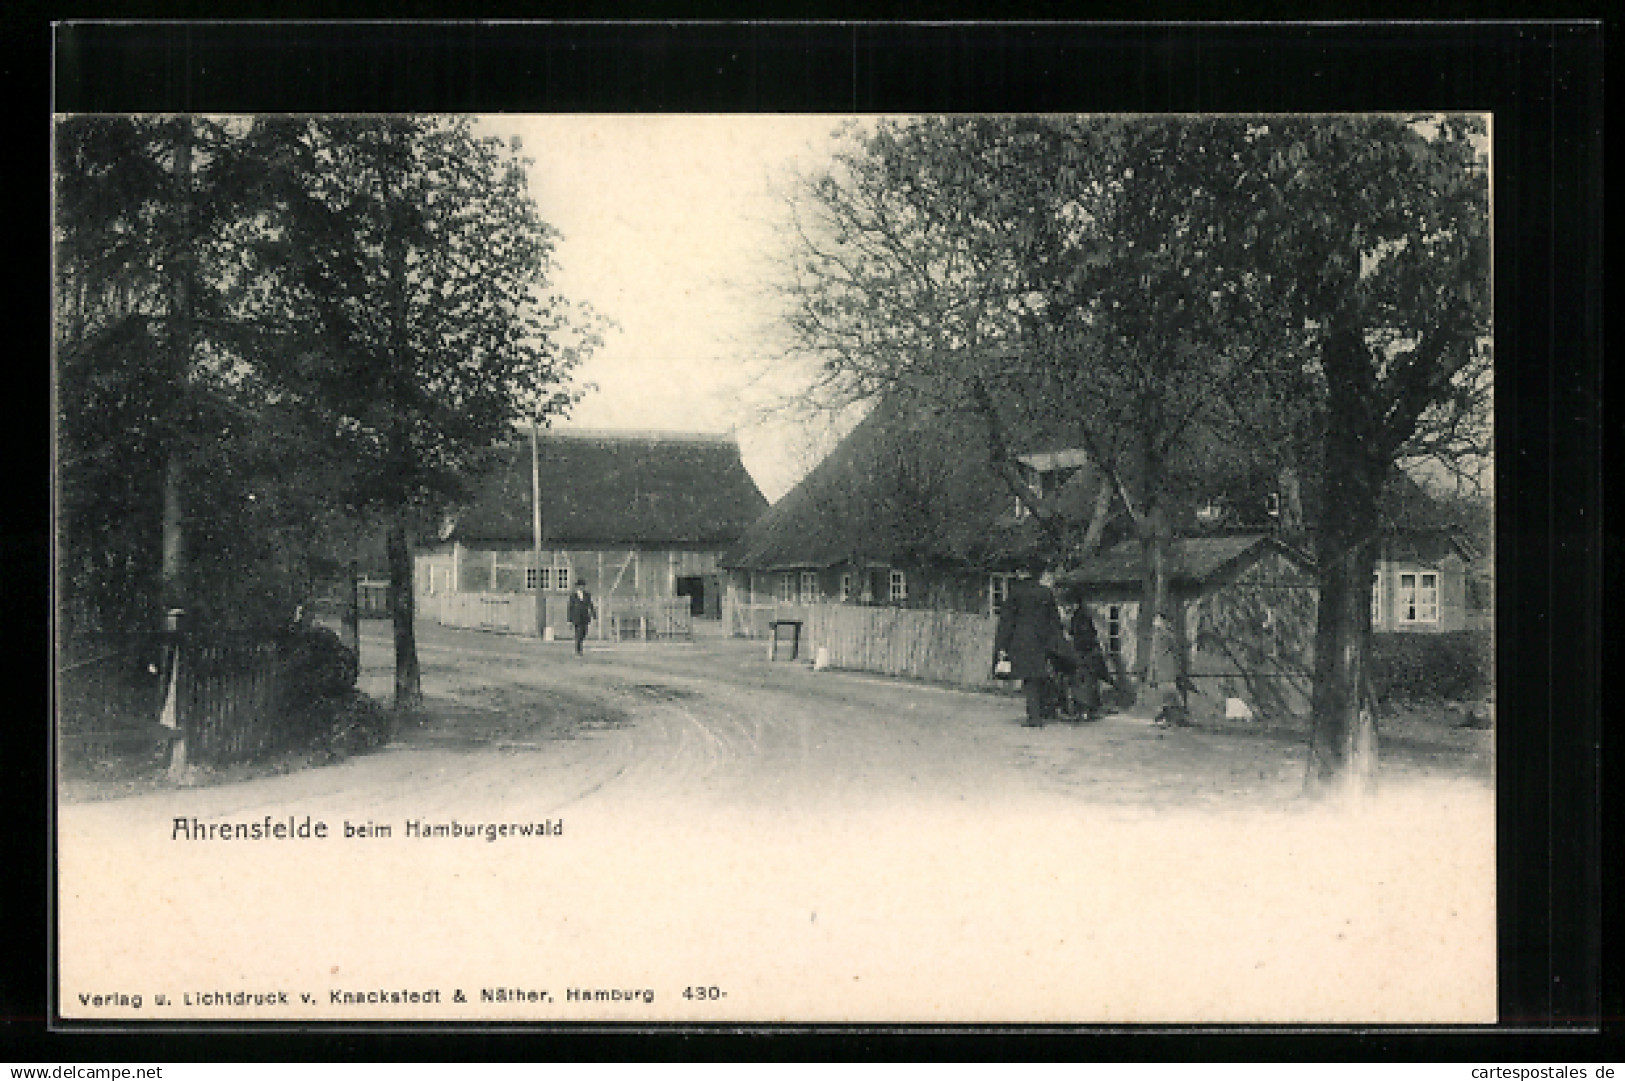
(909, 505)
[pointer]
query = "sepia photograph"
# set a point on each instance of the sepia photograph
(774, 568)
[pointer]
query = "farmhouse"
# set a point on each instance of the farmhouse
(1428, 581)
(909, 511)
(641, 516)
(895, 553)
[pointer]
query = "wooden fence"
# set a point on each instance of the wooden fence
(108, 688)
(945, 647)
(234, 699)
(515, 613)
(511, 613)
(646, 619)
(742, 620)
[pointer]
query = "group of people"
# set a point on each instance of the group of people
(1060, 668)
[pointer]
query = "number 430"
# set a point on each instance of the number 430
(704, 994)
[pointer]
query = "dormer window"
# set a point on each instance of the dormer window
(1047, 472)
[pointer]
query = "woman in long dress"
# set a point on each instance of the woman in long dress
(1092, 669)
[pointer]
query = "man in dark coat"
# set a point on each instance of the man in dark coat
(1029, 635)
(580, 612)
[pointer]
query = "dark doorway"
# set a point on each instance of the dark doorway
(694, 589)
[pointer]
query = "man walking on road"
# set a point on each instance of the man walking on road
(581, 613)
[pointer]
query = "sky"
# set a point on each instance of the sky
(673, 227)
(670, 225)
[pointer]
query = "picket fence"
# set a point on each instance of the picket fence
(944, 647)
(232, 698)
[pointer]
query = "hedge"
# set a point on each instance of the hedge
(1454, 666)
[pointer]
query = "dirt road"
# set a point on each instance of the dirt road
(714, 722)
(813, 845)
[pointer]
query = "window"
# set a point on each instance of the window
(998, 591)
(1419, 597)
(561, 577)
(1114, 631)
(1376, 598)
(846, 587)
(532, 576)
(809, 587)
(1035, 485)
(898, 591)
(787, 589)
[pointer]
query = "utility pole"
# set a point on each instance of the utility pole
(536, 528)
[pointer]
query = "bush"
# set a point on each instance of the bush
(320, 666)
(1456, 666)
(358, 724)
(322, 673)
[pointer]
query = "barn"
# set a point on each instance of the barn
(641, 516)
(1245, 628)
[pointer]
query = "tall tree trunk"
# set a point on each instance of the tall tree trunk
(1156, 540)
(352, 610)
(172, 593)
(539, 594)
(1154, 642)
(1343, 741)
(408, 679)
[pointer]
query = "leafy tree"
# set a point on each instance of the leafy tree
(140, 206)
(405, 268)
(1187, 298)
(1045, 275)
(1372, 234)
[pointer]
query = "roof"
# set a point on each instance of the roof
(1193, 561)
(615, 488)
(1428, 546)
(908, 485)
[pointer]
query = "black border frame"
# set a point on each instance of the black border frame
(1542, 81)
